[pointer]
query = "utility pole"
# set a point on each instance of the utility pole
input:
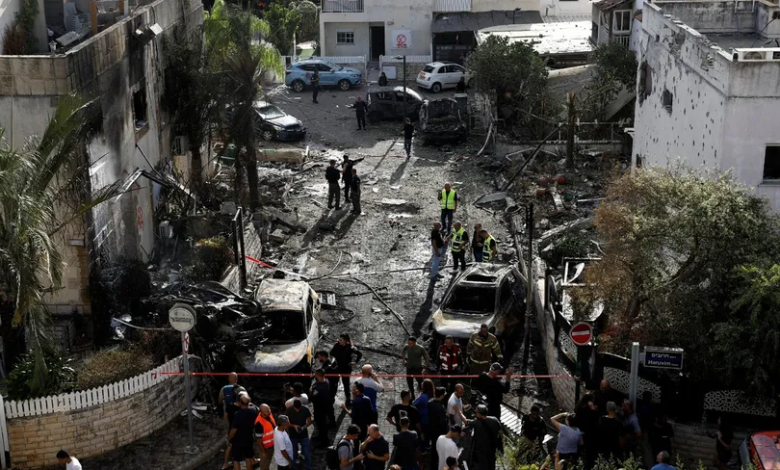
(529, 308)
(405, 100)
(570, 131)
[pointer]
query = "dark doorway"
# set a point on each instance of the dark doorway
(377, 41)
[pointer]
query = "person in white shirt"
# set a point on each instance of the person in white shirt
(455, 406)
(297, 391)
(371, 383)
(283, 449)
(71, 463)
(446, 447)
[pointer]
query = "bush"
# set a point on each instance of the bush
(60, 377)
(210, 258)
(110, 366)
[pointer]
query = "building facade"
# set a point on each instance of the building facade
(709, 89)
(122, 67)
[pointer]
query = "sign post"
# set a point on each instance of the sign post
(580, 334)
(182, 318)
(653, 357)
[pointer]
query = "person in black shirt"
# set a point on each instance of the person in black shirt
(382, 79)
(533, 429)
(333, 175)
(604, 394)
(241, 437)
(661, 434)
(362, 412)
(346, 167)
(608, 433)
(407, 445)
(376, 449)
(460, 87)
(405, 409)
(343, 353)
(488, 439)
(408, 134)
(489, 384)
(356, 190)
(438, 423)
(437, 248)
(360, 113)
(319, 396)
(315, 86)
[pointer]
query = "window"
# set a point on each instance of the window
(667, 99)
(310, 311)
(323, 68)
(309, 67)
(458, 69)
(139, 108)
(645, 81)
(622, 21)
(345, 37)
(772, 162)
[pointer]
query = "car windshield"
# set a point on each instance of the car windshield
(471, 300)
(270, 112)
(287, 326)
(428, 69)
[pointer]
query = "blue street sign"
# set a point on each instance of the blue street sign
(664, 358)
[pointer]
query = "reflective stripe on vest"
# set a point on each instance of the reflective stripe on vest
(457, 240)
(268, 430)
(445, 357)
(487, 249)
(448, 200)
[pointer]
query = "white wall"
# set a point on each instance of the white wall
(578, 8)
(360, 47)
(509, 5)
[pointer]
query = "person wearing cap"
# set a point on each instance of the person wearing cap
(488, 438)
(332, 176)
(241, 437)
(346, 171)
(283, 448)
(446, 447)
(490, 385)
(482, 347)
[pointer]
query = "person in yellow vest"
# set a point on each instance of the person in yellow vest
(448, 199)
(482, 347)
(459, 243)
(264, 432)
(489, 247)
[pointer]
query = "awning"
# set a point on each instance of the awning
(458, 22)
(547, 39)
(604, 5)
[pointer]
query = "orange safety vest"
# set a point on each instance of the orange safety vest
(268, 430)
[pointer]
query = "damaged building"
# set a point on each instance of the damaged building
(116, 57)
(709, 89)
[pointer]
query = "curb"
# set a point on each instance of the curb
(203, 456)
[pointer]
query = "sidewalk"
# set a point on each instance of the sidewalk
(164, 449)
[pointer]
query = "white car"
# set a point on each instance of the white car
(437, 76)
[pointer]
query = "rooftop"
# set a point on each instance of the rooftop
(735, 41)
(456, 22)
(547, 38)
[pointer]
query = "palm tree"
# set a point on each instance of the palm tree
(38, 183)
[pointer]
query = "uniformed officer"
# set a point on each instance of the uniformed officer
(489, 247)
(482, 347)
(449, 204)
(315, 85)
(459, 242)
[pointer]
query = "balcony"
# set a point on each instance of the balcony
(451, 6)
(342, 6)
(622, 39)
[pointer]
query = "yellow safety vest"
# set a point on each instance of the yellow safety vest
(487, 249)
(448, 200)
(457, 240)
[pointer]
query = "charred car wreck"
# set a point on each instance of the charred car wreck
(441, 121)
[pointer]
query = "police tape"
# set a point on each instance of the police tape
(381, 376)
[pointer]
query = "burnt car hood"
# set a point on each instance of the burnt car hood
(272, 358)
(284, 121)
(459, 325)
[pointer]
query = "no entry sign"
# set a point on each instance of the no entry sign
(581, 334)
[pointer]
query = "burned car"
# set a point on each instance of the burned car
(387, 103)
(441, 121)
(492, 294)
(291, 312)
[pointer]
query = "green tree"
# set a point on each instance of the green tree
(284, 21)
(40, 194)
(616, 69)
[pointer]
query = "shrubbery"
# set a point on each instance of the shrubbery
(112, 365)
(210, 258)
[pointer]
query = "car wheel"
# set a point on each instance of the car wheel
(374, 117)
(298, 86)
(436, 87)
(268, 135)
(344, 85)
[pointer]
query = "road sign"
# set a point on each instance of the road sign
(581, 334)
(181, 317)
(663, 358)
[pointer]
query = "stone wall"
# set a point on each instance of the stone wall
(34, 441)
(692, 445)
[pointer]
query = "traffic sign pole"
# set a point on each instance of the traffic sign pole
(634, 377)
(182, 318)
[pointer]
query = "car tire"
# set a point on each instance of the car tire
(298, 86)
(374, 117)
(436, 87)
(344, 85)
(268, 134)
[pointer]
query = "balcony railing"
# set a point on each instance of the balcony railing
(342, 6)
(622, 39)
(451, 6)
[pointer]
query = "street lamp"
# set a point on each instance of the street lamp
(403, 57)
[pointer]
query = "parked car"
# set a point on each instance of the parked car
(493, 294)
(298, 75)
(762, 450)
(387, 103)
(293, 310)
(441, 121)
(438, 76)
(275, 124)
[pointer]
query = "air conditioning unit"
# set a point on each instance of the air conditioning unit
(180, 145)
(757, 55)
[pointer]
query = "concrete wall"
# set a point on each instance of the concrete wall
(8, 9)
(34, 441)
(360, 47)
(509, 5)
(691, 445)
(713, 16)
(764, 14)
(557, 7)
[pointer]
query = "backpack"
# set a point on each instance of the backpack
(332, 459)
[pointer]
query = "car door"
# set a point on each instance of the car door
(448, 76)
(506, 304)
(327, 75)
(308, 71)
(457, 72)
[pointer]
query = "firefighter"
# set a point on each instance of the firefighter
(449, 362)
(482, 347)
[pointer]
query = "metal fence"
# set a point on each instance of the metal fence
(357, 61)
(342, 6)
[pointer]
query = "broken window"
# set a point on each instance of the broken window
(474, 300)
(286, 326)
(645, 81)
(621, 21)
(310, 311)
(772, 162)
(139, 108)
(667, 99)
